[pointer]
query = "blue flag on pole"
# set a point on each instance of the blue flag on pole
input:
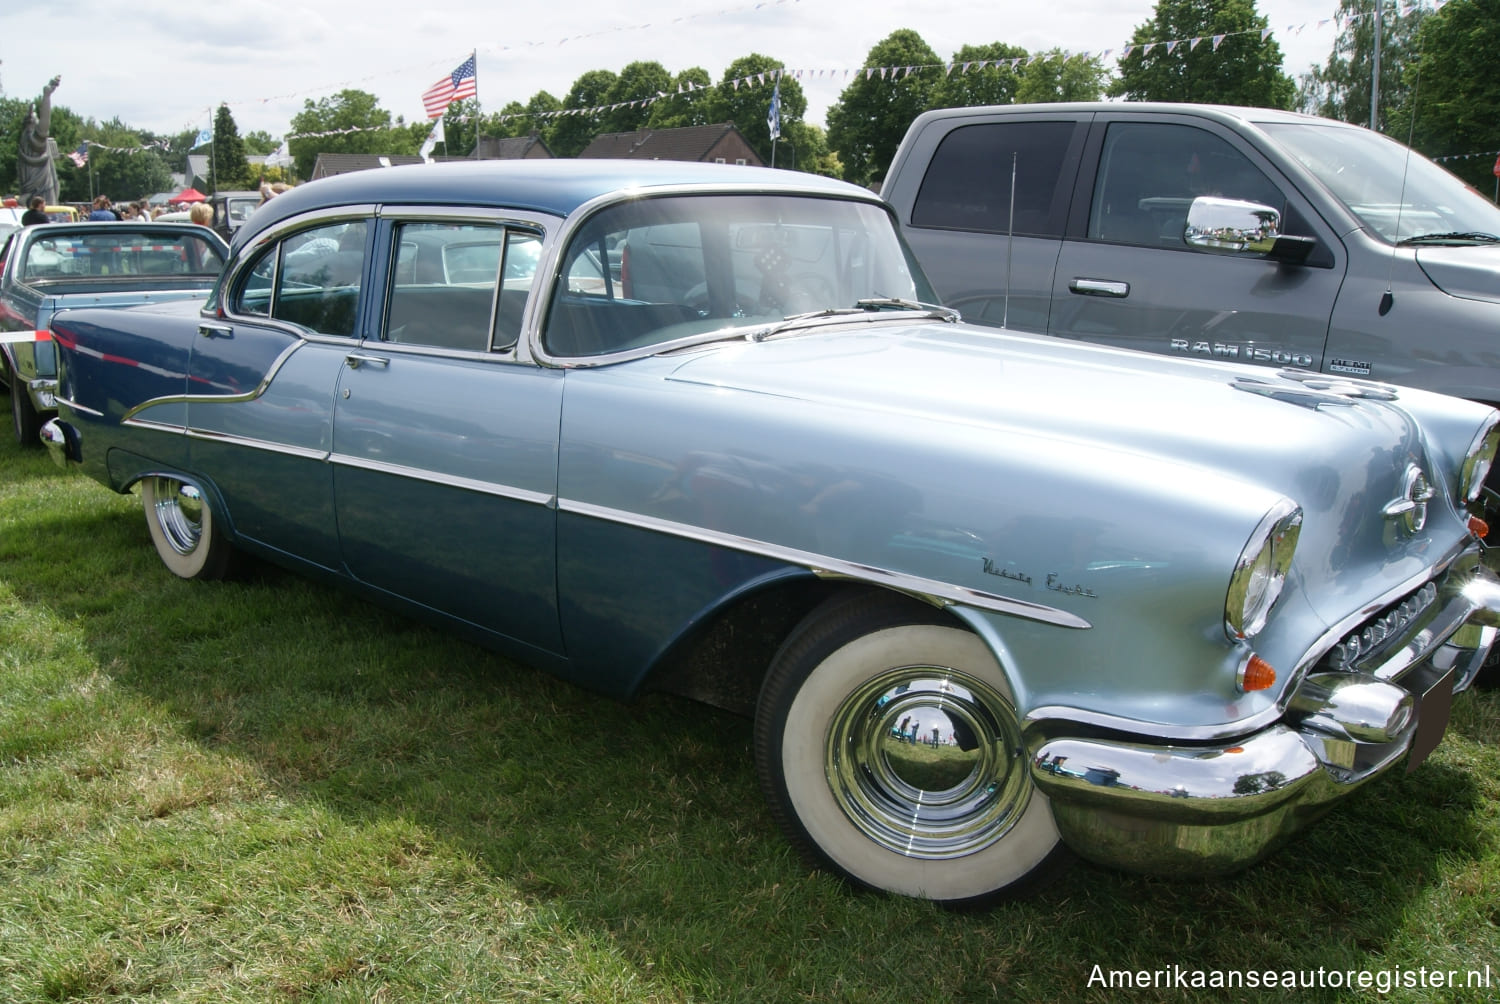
(773, 114)
(204, 136)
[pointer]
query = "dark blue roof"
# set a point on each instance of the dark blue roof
(549, 186)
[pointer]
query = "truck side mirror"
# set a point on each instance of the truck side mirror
(1234, 226)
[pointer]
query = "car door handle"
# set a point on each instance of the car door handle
(215, 331)
(1099, 287)
(355, 360)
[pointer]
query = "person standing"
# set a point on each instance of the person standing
(102, 210)
(34, 164)
(36, 211)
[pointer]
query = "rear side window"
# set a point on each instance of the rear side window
(310, 279)
(968, 183)
(460, 285)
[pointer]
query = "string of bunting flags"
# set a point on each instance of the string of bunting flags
(891, 73)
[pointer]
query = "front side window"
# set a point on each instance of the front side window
(654, 270)
(1150, 172)
(460, 285)
(998, 177)
(311, 279)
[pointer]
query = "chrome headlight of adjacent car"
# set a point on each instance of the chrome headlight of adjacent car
(1478, 462)
(1261, 570)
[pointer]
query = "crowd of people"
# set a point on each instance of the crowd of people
(139, 211)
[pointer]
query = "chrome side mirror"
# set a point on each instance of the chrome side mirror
(1231, 226)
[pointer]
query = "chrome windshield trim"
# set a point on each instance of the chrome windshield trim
(547, 267)
(942, 593)
(448, 480)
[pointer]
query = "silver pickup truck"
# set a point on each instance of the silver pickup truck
(51, 267)
(1203, 231)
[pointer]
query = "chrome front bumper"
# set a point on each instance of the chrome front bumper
(1205, 810)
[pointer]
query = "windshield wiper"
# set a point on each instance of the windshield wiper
(868, 305)
(1455, 237)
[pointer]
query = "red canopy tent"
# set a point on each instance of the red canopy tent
(189, 195)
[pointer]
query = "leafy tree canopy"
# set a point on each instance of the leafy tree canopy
(1244, 69)
(1340, 88)
(866, 124)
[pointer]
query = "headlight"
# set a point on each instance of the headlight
(1261, 570)
(1478, 461)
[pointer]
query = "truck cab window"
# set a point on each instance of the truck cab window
(1149, 174)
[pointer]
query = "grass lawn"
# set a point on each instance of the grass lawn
(268, 790)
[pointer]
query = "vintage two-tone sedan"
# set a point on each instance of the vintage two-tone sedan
(700, 428)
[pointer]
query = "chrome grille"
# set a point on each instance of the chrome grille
(1381, 632)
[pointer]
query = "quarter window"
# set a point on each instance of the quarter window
(968, 184)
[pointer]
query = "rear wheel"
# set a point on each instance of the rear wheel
(891, 753)
(184, 530)
(28, 423)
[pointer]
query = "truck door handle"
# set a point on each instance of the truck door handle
(1099, 287)
(355, 360)
(215, 331)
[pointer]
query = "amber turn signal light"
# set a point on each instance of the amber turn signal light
(1256, 674)
(1478, 527)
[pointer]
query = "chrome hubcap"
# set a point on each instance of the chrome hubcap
(928, 762)
(179, 513)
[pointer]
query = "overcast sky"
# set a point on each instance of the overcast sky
(165, 66)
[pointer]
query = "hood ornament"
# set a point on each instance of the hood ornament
(1409, 510)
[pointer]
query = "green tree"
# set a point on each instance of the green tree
(1340, 88)
(687, 102)
(1241, 69)
(120, 165)
(980, 75)
(1457, 90)
(516, 119)
(260, 143)
(631, 96)
(348, 122)
(866, 123)
(582, 121)
(745, 106)
(230, 170)
(460, 129)
(1055, 76)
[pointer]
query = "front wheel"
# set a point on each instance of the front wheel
(183, 529)
(890, 751)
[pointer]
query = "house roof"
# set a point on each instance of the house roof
(685, 143)
(330, 164)
(509, 147)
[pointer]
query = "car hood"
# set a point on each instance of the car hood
(1243, 421)
(1471, 272)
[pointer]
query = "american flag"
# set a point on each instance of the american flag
(460, 84)
(80, 156)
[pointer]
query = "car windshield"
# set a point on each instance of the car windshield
(657, 270)
(116, 251)
(1396, 193)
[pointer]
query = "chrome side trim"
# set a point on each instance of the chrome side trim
(265, 446)
(75, 406)
(1060, 718)
(249, 395)
(943, 593)
(438, 478)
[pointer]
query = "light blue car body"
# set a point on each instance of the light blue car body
(660, 515)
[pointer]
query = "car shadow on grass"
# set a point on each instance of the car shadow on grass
(641, 826)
